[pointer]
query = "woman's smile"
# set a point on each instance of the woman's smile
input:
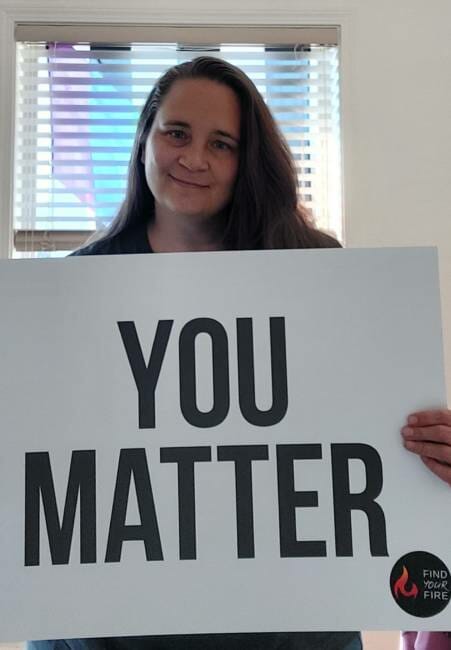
(185, 183)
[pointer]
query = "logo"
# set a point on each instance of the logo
(400, 586)
(421, 584)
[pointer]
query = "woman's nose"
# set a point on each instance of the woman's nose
(194, 157)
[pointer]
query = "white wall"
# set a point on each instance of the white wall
(399, 132)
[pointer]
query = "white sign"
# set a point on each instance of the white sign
(202, 443)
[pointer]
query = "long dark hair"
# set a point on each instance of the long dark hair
(264, 211)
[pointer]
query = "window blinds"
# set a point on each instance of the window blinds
(77, 108)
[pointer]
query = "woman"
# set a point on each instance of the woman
(210, 171)
(259, 206)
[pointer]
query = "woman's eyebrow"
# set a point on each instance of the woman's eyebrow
(225, 134)
(176, 123)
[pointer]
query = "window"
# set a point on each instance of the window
(77, 108)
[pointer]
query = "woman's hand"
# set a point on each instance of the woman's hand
(428, 434)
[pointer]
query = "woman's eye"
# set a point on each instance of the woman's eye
(223, 146)
(177, 134)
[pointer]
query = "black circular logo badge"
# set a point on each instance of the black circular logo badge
(420, 584)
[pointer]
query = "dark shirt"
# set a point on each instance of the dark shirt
(135, 240)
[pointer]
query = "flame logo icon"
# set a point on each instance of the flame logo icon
(400, 586)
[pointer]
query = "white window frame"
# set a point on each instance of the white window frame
(134, 14)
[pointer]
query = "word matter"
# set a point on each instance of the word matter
(133, 467)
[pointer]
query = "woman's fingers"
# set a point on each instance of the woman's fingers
(434, 433)
(431, 417)
(433, 450)
(442, 471)
(428, 434)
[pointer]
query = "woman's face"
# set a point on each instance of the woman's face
(192, 151)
